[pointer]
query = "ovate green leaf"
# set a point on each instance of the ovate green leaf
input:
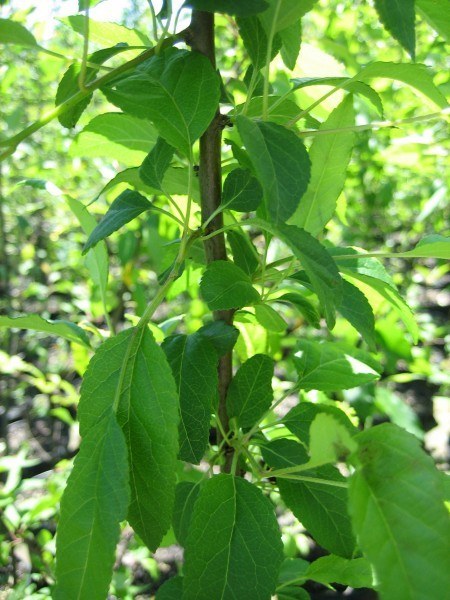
(156, 163)
(241, 191)
(221, 335)
(356, 573)
(224, 285)
(12, 32)
(330, 155)
(234, 545)
(194, 366)
(94, 503)
(398, 18)
(281, 163)
(250, 393)
(327, 366)
(255, 41)
(61, 328)
(329, 440)
(291, 38)
(126, 207)
(269, 318)
(178, 90)
(396, 501)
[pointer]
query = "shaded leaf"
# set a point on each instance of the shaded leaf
(224, 285)
(282, 13)
(61, 328)
(172, 589)
(243, 251)
(255, 41)
(221, 335)
(356, 573)
(156, 163)
(229, 7)
(357, 310)
(250, 392)
(304, 306)
(330, 155)
(291, 38)
(234, 544)
(186, 494)
(241, 191)
(396, 502)
(281, 163)
(398, 18)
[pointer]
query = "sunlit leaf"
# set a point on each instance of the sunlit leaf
(230, 7)
(12, 32)
(432, 246)
(398, 18)
(282, 13)
(355, 573)
(269, 318)
(60, 328)
(105, 33)
(437, 14)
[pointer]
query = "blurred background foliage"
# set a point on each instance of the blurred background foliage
(395, 194)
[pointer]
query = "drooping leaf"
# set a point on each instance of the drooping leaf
(431, 246)
(355, 87)
(304, 306)
(281, 163)
(282, 13)
(186, 494)
(355, 573)
(61, 328)
(269, 318)
(12, 32)
(396, 501)
(241, 191)
(437, 14)
(330, 155)
(243, 251)
(178, 90)
(69, 84)
(117, 136)
(229, 7)
(415, 75)
(172, 589)
(356, 309)
(234, 546)
(317, 263)
(194, 366)
(94, 503)
(291, 38)
(398, 18)
(126, 207)
(327, 366)
(250, 393)
(106, 33)
(319, 502)
(299, 419)
(156, 163)
(224, 285)
(221, 335)
(329, 440)
(130, 370)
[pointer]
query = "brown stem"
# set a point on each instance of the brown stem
(201, 38)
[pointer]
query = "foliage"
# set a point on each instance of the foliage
(266, 333)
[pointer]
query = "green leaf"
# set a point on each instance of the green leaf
(172, 589)
(194, 366)
(281, 163)
(126, 207)
(97, 258)
(437, 14)
(117, 136)
(357, 310)
(156, 163)
(415, 75)
(432, 246)
(229, 7)
(186, 494)
(224, 285)
(107, 34)
(355, 87)
(360, 263)
(304, 306)
(131, 370)
(69, 85)
(279, 111)
(299, 419)
(234, 545)
(250, 392)
(328, 366)
(399, 19)
(12, 32)
(291, 38)
(330, 155)
(318, 265)
(94, 503)
(255, 41)
(269, 318)
(243, 251)
(241, 191)
(221, 335)
(169, 89)
(318, 504)
(282, 13)
(396, 502)
(355, 573)
(61, 328)
(329, 440)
